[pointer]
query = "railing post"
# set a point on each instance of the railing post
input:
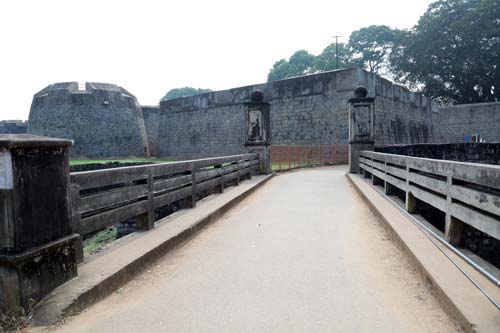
(146, 221)
(75, 220)
(221, 173)
(190, 201)
(387, 186)
(410, 200)
(454, 228)
(37, 243)
(237, 173)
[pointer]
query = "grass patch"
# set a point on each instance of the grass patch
(95, 243)
(125, 160)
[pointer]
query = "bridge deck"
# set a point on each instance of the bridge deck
(304, 253)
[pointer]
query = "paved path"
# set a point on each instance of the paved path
(302, 254)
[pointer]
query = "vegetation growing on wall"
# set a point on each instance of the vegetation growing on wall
(184, 92)
(452, 54)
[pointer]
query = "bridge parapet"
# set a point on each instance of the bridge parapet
(103, 198)
(467, 193)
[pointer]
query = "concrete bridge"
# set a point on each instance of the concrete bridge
(304, 252)
(372, 247)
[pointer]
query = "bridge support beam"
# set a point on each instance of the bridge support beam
(37, 243)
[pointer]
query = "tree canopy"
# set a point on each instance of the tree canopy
(452, 54)
(183, 92)
(371, 47)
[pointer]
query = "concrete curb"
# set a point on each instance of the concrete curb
(459, 307)
(76, 295)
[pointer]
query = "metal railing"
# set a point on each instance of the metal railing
(285, 158)
(467, 193)
(103, 198)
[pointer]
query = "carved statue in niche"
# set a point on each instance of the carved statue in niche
(255, 130)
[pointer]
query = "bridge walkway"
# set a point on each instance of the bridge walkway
(302, 254)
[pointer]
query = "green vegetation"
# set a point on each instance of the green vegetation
(98, 241)
(452, 54)
(184, 92)
(126, 160)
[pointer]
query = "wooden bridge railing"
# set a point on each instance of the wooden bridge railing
(102, 198)
(292, 157)
(468, 193)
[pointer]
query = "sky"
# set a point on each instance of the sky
(149, 47)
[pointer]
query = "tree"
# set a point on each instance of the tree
(299, 63)
(327, 60)
(183, 92)
(453, 53)
(371, 47)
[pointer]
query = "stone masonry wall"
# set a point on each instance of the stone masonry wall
(306, 110)
(485, 153)
(454, 123)
(104, 120)
(13, 126)
(151, 123)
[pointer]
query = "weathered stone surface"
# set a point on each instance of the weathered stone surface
(454, 123)
(13, 126)
(486, 153)
(104, 120)
(307, 110)
(151, 122)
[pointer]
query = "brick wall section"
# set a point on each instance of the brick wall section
(13, 126)
(453, 123)
(104, 120)
(486, 153)
(151, 122)
(307, 110)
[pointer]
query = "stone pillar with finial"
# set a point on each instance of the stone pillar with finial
(361, 131)
(258, 129)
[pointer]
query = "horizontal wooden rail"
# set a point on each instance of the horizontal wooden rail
(468, 193)
(103, 198)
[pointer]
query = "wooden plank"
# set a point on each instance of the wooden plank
(429, 198)
(429, 182)
(485, 223)
(395, 159)
(396, 182)
(482, 200)
(168, 198)
(378, 174)
(378, 165)
(395, 172)
(201, 176)
(109, 198)
(99, 178)
(111, 217)
(436, 167)
(208, 184)
(365, 161)
(165, 184)
(481, 174)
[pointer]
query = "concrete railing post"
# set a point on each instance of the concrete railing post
(360, 126)
(454, 228)
(37, 240)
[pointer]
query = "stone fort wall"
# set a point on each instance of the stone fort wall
(151, 122)
(306, 110)
(13, 126)
(104, 120)
(455, 123)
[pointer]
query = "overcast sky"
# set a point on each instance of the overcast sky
(149, 47)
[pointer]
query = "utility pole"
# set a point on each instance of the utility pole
(337, 49)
